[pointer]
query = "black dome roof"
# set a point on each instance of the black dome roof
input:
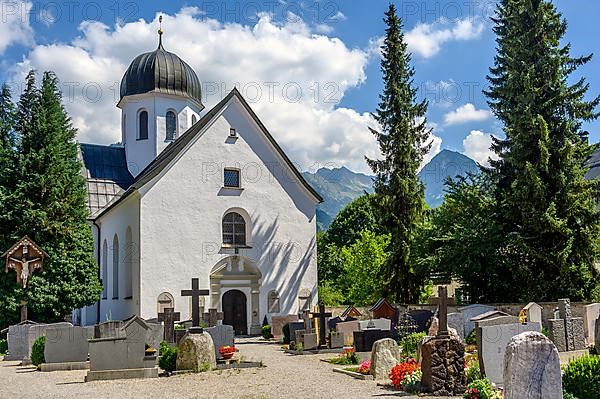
(160, 71)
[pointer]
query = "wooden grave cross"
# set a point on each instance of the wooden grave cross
(322, 315)
(195, 293)
(169, 317)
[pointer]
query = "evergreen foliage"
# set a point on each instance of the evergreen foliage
(403, 141)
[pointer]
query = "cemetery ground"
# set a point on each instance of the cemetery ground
(283, 376)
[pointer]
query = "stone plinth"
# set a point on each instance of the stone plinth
(384, 356)
(443, 365)
(195, 351)
(532, 368)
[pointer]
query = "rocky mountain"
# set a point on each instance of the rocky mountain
(339, 186)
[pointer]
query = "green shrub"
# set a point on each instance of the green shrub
(3, 347)
(471, 338)
(472, 372)
(567, 395)
(594, 350)
(168, 357)
(581, 377)
(480, 389)
(286, 334)
(410, 344)
(266, 332)
(37, 351)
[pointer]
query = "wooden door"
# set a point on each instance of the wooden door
(234, 311)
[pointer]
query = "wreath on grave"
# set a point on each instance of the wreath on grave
(227, 351)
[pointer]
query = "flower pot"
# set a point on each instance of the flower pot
(227, 356)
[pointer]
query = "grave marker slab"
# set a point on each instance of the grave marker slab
(533, 312)
(591, 313)
(336, 340)
(277, 323)
(381, 324)
(456, 321)
(471, 311)
(66, 344)
(384, 356)
(310, 341)
(222, 335)
(423, 319)
(296, 326)
(347, 328)
(17, 341)
(364, 339)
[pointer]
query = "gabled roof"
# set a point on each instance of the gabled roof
(106, 173)
(27, 241)
(177, 146)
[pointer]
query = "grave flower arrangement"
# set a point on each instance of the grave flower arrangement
(365, 367)
(401, 370)
(227, 351)
(347, 357)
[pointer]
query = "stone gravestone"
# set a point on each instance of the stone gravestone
(296, 326)
(567, 332)
(169, 317)
(298, 338)
(277, 323)
(443, 357)
(494, 339)
(109, 329)
(384, 356)
(590, 314)
(336, 340)
(533, 312)
(123, 355)
(310, 341)
(322, 316)
(471, 311)
(212, 317)
(382, 324)
(66, 348)
(36, 331)
(196, 350)
(422, 318)
(365, 339)
(495, 321)
(155, 335)
(456, 321)
(17, 341)
(222, 335)
(347, 328)
(532, 368)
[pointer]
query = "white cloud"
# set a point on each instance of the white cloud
(269, 56)
(477, 146)
(14, 26)
(323, 28)
(436, 147)
(466, 113)
(426, 40)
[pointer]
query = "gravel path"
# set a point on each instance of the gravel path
(285, 376)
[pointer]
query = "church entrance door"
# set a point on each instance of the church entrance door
(234, 311)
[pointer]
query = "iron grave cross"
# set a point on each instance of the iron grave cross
(169, 316)
(322, 315)
(195, 293)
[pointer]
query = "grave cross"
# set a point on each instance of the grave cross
(443, 313)
(169, 316)
(195, 293)
(322, 315)
(305, 316)
(212, 317)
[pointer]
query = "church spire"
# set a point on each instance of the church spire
(160, 33)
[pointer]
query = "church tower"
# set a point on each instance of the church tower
(160, 99)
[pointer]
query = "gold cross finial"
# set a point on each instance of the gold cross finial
(160, 31)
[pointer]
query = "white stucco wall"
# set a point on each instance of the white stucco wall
(141, 152)
(116, 221)
(181, 212)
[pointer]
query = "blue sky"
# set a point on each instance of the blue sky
(334, 41)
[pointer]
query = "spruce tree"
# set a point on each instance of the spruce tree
(403, 141)
(49, 204)
(547, 209)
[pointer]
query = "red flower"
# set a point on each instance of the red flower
(226, 349)
(401, 370)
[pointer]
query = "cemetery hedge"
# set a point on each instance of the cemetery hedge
(168, 357)
(37, 351)
(581, 377)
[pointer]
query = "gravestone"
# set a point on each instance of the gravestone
(347, 328)
(494, 339)
(109, 329)
(122, 356)
(533, 312)
(299, 338)
(472, 311)
(365, 339)
(422, 318)
(169, 317)
(322, 316)
(564, 310)
(532, 368)
(495, 321)
(306, 319)
(154, 335)
(296, 326)
(36, 331)
(67, 344)
(556, 333)
(384, 356)
(382, 324)
(336, 340)
(443, 357)
(590, 314)
(456, 321)
(17, 341)
(222, 335)
(212, 317)
(196, 350)
(332, 323)
(567, 332)
(277, 323)
(310, 341)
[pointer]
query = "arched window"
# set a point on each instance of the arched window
(234, 229)
(115, 249)
(165, 300)
(273, 302)
(105, 270)
(194, 119)
(130, 256)
(143, 126)
(171, 125)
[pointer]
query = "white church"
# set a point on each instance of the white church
(196, 193)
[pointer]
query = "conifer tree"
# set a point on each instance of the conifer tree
(547, 209)
(48, 203)
(403, 141)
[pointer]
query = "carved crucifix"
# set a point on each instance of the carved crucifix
(195, 293)
(322, 315)
(169, 317)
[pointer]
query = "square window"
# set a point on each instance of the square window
(231, 178)
(232, 132)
